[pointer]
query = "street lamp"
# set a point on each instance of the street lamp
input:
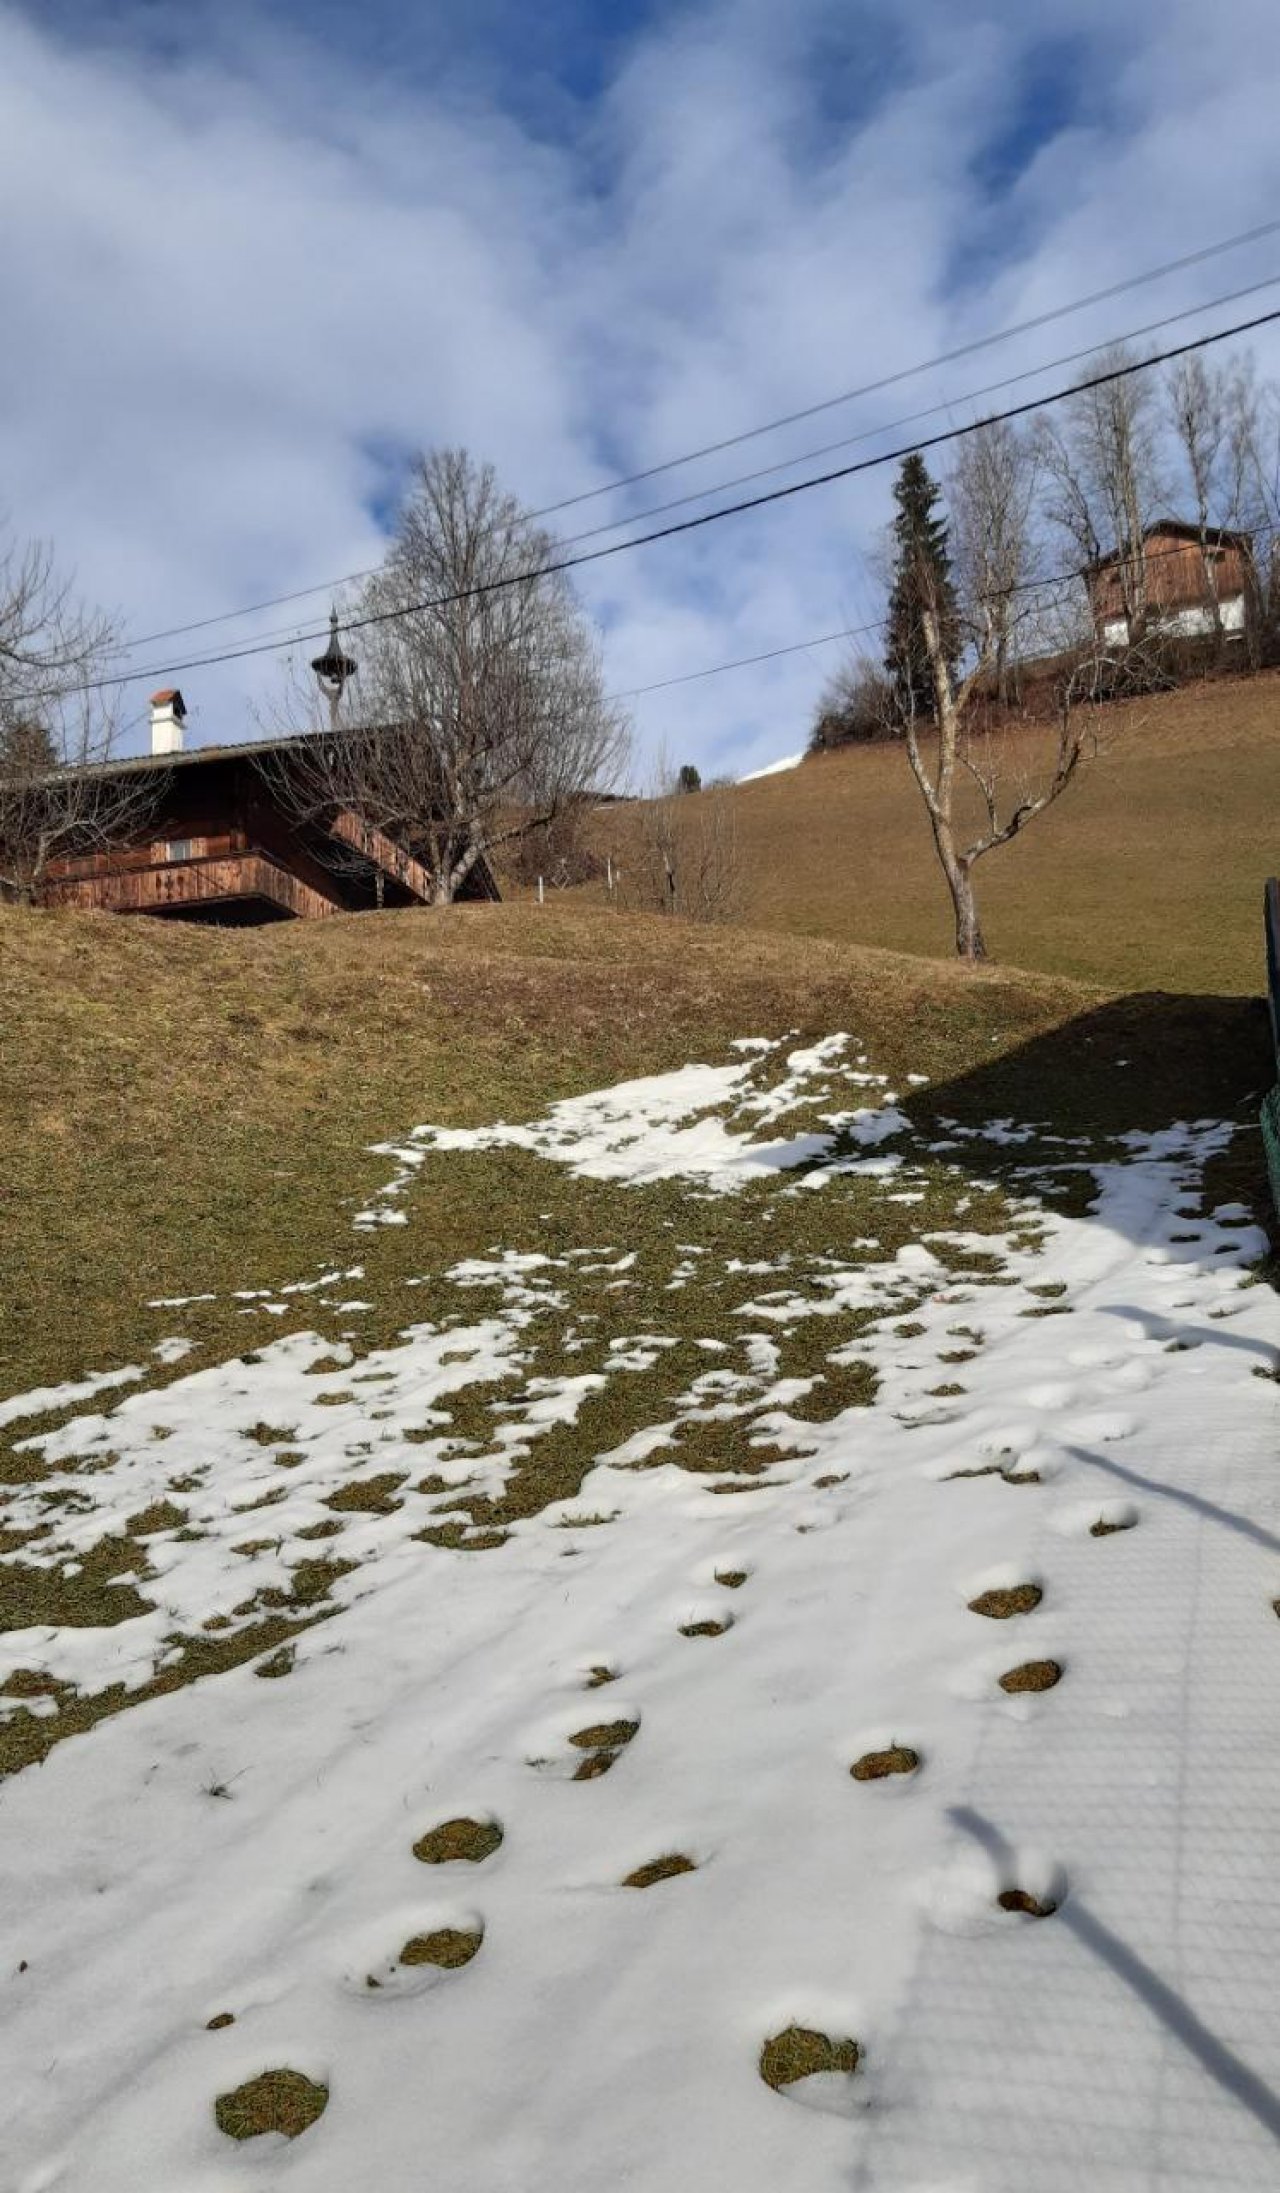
(333, 669)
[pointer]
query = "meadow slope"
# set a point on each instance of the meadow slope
(1148, 874)
(630, 1555)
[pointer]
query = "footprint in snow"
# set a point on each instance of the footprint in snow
(281, 2100)
(812, 2067)
(879, 1765)
(1031, 1675)
(1021, 1899)
(432, 1944)
(660, 1869)
(1097, 1518)
(1113, 1515)
(601, 1743)
(970, 1893)
(699, 1624)
(1105, 1427)
(1011, 1474)
(1052, 1395)
(1002, 1601)
(461, 1840)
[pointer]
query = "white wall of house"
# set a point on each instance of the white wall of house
(1195, 621)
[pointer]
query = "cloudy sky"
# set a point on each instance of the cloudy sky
(254, 255)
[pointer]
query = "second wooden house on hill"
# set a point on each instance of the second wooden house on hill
(1184, 581)
(218, 834)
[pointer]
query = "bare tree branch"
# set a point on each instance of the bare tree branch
(57, 797)
(481, 718)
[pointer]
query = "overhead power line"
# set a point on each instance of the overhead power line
(774, 495)
(861, 631)
(290, 634)
(743, 662)
(793, 418)
(946, 357)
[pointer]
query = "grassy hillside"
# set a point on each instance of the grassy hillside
(1148, 874)
(187, 1110)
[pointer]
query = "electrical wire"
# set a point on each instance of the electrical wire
(711, 517)
(770, 426)
(290, 635)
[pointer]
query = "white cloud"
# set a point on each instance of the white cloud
(245, 277)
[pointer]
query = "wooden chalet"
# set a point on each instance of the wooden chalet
(222, 841)
(1194, 584)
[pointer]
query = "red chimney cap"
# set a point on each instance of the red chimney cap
(167, 694)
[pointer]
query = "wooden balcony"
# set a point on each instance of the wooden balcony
(114, 884)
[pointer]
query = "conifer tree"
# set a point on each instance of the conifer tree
(921, 579)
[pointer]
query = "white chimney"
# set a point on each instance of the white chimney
(168, 714)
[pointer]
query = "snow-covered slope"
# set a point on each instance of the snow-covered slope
(772, 768)
(247, 1847)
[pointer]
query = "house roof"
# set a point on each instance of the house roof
(194, 757)
(1188, 529)
(1184, 529)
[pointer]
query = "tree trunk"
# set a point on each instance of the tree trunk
(970, 942)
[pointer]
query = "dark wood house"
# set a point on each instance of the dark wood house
(223, 841)
(1192, 585)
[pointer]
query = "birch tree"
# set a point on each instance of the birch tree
(991, 494)
(1197, 396)
(1101, 461)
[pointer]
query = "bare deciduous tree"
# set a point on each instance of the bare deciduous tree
(686, 857)
(991, 494)
(1252, 467)
(855, 707)
(1198, 397)
(1102, 465)
(982, 786)
(481, 706)
(56, 736)
(1015, 778)
(559, 853)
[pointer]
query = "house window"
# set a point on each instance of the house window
(180, 849)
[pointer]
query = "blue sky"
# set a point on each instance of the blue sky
(261, 253)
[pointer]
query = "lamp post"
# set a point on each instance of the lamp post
(333, 669)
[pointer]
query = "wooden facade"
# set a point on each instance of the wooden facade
(223, 842)
(1191, 585)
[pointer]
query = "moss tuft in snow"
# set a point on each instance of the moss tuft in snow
(659, 1869)
(1032, 1675)
(449, 1947)
(461, 1839)
(875, 1766)
(800, 2053)
(276, 2101)
(998, 1606)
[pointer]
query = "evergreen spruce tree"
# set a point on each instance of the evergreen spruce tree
(921, 579)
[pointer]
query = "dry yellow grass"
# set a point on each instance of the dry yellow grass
(188, 1110)
(1148, 874)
